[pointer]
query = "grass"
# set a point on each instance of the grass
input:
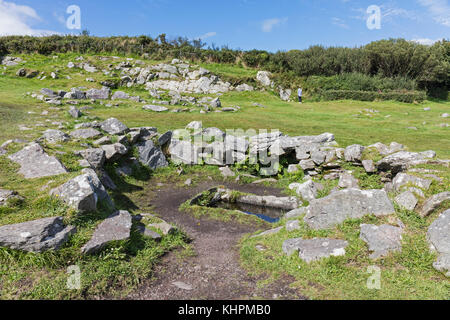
(123, 265)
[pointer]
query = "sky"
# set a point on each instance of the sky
(240, 24)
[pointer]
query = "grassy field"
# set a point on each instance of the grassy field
(43, 276)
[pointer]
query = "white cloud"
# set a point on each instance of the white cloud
(426, 41)
(269, 24)
(439, 10)
(16, 19)
(207, 35)
(340, 23)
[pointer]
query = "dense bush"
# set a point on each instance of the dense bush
(401, 96)
(407, 64)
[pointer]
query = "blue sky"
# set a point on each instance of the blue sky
(246, 24)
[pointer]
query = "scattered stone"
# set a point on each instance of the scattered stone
(74, 112)
(84, 192)
(369, 166)
(292, 225)
(155, 108)
(95, 157)
(148, 233)
(55, 136)
(315, 249)
(98, 94)
(403, 179)
(439, 238)
(296, 213)
(346, 180)
(227, 172)
(36, 236)
(407, 200)
(381, 239)
(433, 203)
(36, 163)
(354, 153)
(308, 190)
(6, 196)
(183, 286)
(120, 95)
(88, 133)
(115, 228)
(114, 152)
(164, 227)
(346, 204)
(114, 126)
(268, 232)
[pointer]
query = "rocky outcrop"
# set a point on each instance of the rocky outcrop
(36, 236)
(36, 163)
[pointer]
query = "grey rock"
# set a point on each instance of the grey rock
(115, 228)
(148, 233)
(381, 239)
(268, 232)
(354, 153)
(346, 180)
(88, 133)
(165, 138)
(315, 249)
(318, 157)
(55, 136)
(216, 103)
(36, 236)
(95, 157)
(102, 141)
(285, 203)
(439, 238)
(120, 95)
(346, 204)
(307, 190)
(227, 172)
(98, 94)
(285, 94)
(114, 126)
(406, 200)
(184, 152)
(151, 156)
(403, 179)
(155, 108)
(6, 195)
(433, 203)
(292, 225)
(307, 165)
(74, 112)
(84, 192)
(296, 213)
(48, 93)
(36, 163)
(114, 152)
(369, 166)
(164, 227)
(402, 160)
(263, 77)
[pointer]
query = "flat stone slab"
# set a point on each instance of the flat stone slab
(36, 236)
(88, 133)
(155, 108)
(346, 204)
(55, 136)
(403, 179)
(381, 239)
(114, 126)
(315, 249)
(286, 203)
(114, 228)
(433, 203)
(439, 238)
(36, 163)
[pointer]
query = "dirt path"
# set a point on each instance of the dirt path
(214, 272)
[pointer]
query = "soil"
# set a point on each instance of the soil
(214, 272)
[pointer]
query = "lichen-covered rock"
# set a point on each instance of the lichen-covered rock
(381, 239)
(114, 152)
(114, 126)
(84, 192)
(88, 133)
(402, 160)
(98, 94)
(346, 180)
(55, 136)
(95, 157)
(114, 228)
(433, 203)
(346, 204)
(315, 249)
(36, 163)
(354, 153)
(151, 156)
(403, 179)
(36, 236)
(439, 239)
(307, 190)
(407, 200)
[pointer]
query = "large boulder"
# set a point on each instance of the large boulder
(285, 94)
(346, 204)
(439, 239)
(36, 236)
(114, 126)
(36, 163)
(263, 77)
(151, 156)
(315, 249)
(84, 192)
(381, 239)
(115, 228)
